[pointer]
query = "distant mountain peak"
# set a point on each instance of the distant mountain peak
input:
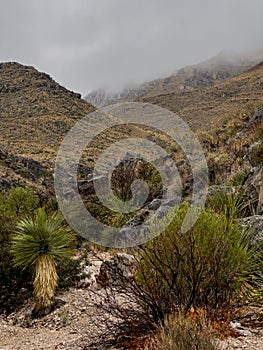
(35, 93)
(224, 65)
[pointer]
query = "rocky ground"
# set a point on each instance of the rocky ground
(251, 342)
(78, 325)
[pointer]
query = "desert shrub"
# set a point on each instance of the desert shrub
(206, 267)
(15, 283)
(209, 267)
(123, 176)
(20, 200)
(233, 203)
(180, 332)
(128, 171)
(238, 178)
(39, 243)
(106, 215)
(70, 271)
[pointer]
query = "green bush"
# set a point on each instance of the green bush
(206, 267)
(123, 176)
(70, 271)
(15, 284)
(19, 201)
(133, 169)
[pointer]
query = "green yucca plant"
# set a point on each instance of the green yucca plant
(39, 243)
(233, 204)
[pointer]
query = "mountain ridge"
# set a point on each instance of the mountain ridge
(35, 114)
(204, 74)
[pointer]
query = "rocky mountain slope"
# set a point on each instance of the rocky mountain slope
(223, 117)
(212, 107)
(35, 113)
(217, 69)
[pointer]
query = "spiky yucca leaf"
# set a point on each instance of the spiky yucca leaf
(39, 236)
(233, 205)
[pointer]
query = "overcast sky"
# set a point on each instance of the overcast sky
(90, 44)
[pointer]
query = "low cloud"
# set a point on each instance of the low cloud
(90, 44)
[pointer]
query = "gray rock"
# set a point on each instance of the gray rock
(135, 221)
(161, 212)
(253, 187)
(259, 114)
(118, 270)
(85, 186)
(255, 223)
(155, 204)
(133, 235)
(244, 332)
(235, 325)
(171, 202)
(4, 184)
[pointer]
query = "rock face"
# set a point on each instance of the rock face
(119, 269)
(259, 114)
(254, 187)
(27, 167)
(255, 223)
(4, 184)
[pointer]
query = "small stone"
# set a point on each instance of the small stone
(235, 325)
(244, 332)
(155, 204)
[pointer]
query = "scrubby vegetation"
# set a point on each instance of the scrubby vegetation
(17, 279)
(215, 265)
(210, 266)
(183, 333)
(125, 173)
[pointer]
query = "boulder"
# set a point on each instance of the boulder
(155, 204)
(4, 184)
(119, 269)
(253, 187)
(255, 223)
(255, 153)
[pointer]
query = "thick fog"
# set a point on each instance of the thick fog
(90, 44)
